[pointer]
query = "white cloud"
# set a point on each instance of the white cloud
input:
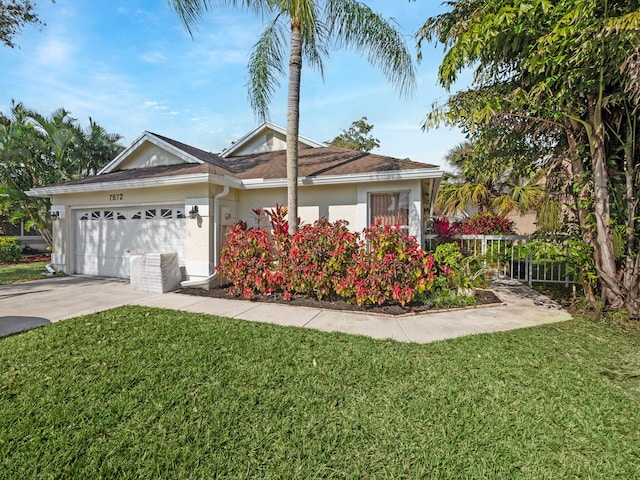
(54, 52)
(155, 57)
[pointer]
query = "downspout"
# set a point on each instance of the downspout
(206, 281)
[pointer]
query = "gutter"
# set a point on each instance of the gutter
(209, 279)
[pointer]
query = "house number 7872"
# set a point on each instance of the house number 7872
(116, 196)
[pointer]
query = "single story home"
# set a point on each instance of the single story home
(160, 195)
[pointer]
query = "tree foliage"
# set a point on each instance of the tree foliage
(560, 74)
(309, 28)
(488, 182)
(38, 150)
(14, 15)
(357, 137)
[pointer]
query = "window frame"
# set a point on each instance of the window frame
(404, 228)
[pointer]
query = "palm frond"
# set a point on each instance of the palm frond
(266, 66)
(190, 11)
(503, 204)
(354, 25)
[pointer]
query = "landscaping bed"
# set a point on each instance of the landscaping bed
(482, 297)
(41, 257)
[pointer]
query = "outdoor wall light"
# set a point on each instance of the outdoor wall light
(193, 213)
(55, 215)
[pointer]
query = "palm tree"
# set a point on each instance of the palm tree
(59, 133)
(488, 183)
(94, 148)
(22, 166)
(37, 150)
(313, 26)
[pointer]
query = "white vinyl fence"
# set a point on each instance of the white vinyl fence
(510, 256)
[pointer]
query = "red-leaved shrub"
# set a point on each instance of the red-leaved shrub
(390, 266)
(326, 259)
(319, 254)
(484, 224)
(247, 261)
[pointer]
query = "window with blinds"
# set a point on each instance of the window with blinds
(390, 209)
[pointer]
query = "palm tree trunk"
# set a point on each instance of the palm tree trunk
(580, 198)
(293, 122)
(631, 278)
(605, 262)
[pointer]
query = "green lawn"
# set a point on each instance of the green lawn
(21, 272)
(146, 393)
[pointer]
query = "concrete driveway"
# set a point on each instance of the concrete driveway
(28, 305)
(38, 303)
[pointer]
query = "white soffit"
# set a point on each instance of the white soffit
(417, 174)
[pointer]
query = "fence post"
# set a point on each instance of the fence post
(530, 268)
(566, 267)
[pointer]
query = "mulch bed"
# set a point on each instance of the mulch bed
(42, 257)
(483, 297)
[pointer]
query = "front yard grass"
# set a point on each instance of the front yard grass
(137, 392)
(21, 272)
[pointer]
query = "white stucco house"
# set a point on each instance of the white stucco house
(141, 201)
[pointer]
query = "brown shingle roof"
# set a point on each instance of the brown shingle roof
(312, 162)
(149, 172)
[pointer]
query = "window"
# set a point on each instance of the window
(390, 209)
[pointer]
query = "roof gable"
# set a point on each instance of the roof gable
(267, 137)
(152, 150)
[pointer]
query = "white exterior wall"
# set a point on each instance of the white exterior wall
(268, 141)
(338, 202)
(198, 261)
(150, 155)
(331, 202)
(348, 202)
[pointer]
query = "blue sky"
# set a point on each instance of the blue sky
(131, 66)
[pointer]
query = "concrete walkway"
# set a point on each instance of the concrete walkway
(32, 304)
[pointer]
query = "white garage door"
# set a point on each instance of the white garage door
(107, 237)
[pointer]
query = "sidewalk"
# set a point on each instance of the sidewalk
(42, 302)
(523, 307)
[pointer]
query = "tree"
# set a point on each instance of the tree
(37, 150)
(310, 27)
(563, 69)
(488, 182)
(356, 137)
(94, 147)
(14, 15)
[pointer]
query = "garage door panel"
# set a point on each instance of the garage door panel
(106, 238)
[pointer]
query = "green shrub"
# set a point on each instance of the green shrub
(10, 249)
